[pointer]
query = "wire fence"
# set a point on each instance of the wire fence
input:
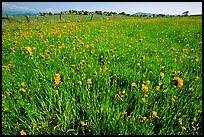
(60, 18)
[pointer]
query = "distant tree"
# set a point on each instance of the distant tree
(50, 13)
(185, 13)
(41, 14)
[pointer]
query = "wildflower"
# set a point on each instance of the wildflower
(23, 84)
(57, 79)
(157, 88)
(105, 69)
(180, 121)
(8, 66)
(97, 111)
(143, 100)
(143, 119)
(56, 92)
(82, 123)
(179, 82)
(193, 128)
(162, 67)
(196, 78)
(3, 96)
(154, 114)
(165, 90)
(92, 45)
(183, 128)
(124, 113)
(28, 49)
(161, 74)
(175, 60)
(84, 75)
(22, 132)
(22, 90)
(191, 89)
(5, 109)
(34, 125)
(138, 64)
(147, 82)
(144, 88)
(133, 84)
(79, 83)
(82, 62)
(8, 93)
(199, 111)
(62, 46)
(89, 81)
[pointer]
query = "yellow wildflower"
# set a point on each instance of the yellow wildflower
(57, 79)
(161, 74)
(22, 132)
(199, 111)
(154, 114)
(180, 121)
(105, 69)
(138, 64)
(157, 88)
(183, 128)
(143, 100)
(193, 128)
(89, 81)
(179, 82)
(133, 84)
(62, 46)
(22, 90)
(8, 66)
(23, 84)
(82, 123)
(34, 125)
(144, 119)
(79, 83)
(124, 113)
(144, 88)
(147, 82)
(56, 92)
(5, 109)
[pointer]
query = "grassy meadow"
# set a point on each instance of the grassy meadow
(139, 76)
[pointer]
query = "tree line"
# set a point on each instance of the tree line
(82, 12)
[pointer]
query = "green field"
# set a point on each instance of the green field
(138, 76)
(64, 18)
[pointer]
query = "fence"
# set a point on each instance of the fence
(61, 18)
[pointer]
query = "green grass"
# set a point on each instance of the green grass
(110, 51)
(64, 18)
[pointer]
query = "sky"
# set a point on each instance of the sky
(172, 8)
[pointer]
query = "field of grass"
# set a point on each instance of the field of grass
(128, 77)
(64, 18)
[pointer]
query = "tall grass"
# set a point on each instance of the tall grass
(134, 76)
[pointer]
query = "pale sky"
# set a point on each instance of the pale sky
(171, 8)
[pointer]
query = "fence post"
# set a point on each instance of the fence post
(60, 17)
(91, 17)
(27, 19)
(8, 18)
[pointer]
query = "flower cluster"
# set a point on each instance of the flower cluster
(57, 79)
(179, 82)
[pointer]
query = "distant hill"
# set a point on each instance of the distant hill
(20, 13)
(152, 14)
